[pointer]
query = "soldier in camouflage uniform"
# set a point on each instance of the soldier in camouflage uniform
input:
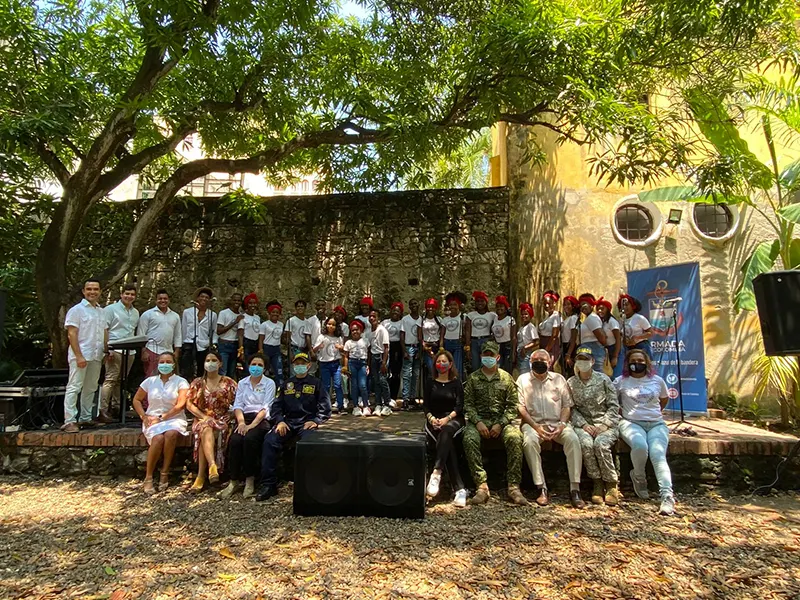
(490, 406)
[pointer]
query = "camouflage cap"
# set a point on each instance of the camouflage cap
(490, 348)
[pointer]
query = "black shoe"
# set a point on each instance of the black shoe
(265, 492)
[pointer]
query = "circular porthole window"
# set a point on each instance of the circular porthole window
(715, 222)
(636, 223)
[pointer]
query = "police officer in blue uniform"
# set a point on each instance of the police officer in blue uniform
(302, 406)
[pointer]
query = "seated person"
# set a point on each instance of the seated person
(595, 417)
(302, 405)
(254, 397)
(544, 405)
(490, 406)
(164, 420)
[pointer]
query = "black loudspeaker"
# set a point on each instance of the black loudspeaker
(778, 299)
(350, 473)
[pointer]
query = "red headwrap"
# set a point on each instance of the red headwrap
(357, 323)
(502, 300)
(526, 308)
(251, 296)
(432, 303)
(572, 300)
(340, 309)
(603, 302)
(478, 295)
(551, 294)
(275, 304)
(399, 305)
(588, 298)
(366, 300)
(637, 306)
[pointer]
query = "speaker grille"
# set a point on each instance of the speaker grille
(328, 480)
(390, 480)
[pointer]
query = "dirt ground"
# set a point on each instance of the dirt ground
(103, 539)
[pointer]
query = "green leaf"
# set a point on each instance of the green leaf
(790, 174)
(760, 261)
(110, 571)
(794, 254)
(790, 213)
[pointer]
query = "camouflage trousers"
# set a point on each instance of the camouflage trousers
(512, 440)
(597, 456)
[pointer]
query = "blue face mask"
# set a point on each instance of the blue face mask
(301, 369)
(256, 370)
(165, 368)
(490, 362)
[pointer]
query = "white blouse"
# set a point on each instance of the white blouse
(251, 399)
(546, 326)
(526, 335)
(501, 329)
(609, 327)
(566, 328)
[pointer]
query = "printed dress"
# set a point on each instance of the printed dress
(216, 405)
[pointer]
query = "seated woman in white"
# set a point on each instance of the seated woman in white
(164, 419)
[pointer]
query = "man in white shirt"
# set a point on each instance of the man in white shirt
(87, 332)
(162, 327)
(545, 403)
(228, 334)
(409, 343)
(199, 325)
(122, 319)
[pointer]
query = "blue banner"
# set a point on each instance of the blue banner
(657, 290)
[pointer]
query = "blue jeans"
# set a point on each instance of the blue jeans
(475, 349)
(273, 353)
(380, 381)
(358, 382)
(598, 354)
(456, 348)
(429, 372)
(332, 370)
(505, 356)
(228, 351)
(523, 361)
(648, 438)
(410, 373)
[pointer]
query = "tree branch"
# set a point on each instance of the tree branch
(522, 119)
(52, 161)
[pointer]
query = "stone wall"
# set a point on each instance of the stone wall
(394, 245)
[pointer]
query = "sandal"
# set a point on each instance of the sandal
(197, 486)
(213, 474)
(148, 487)
(163, 482)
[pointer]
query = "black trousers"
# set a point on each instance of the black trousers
(446, 455)
(244, 451)
(395, 368)
(192, 362)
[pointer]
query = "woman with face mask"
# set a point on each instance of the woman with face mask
(164, 420)
(589, 334)
(210, 399)
(254, 397)
(642, 398)
(443, 403)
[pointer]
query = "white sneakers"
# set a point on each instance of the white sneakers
(365, 412)
(640, 486)
(461, 498)
(433, 485)
(357, 411)
(667, 505)
(385, 411)
(392, 404)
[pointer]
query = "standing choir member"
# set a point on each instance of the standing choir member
(269, 340)
(228, 334)
(443, 402)
(328, 348)
(642, 397)
(356, 353)
(379, 364)
(504, 332)
(479, 328)
(122, 319)
(636, 328)
(162, 328)
(394, 325)
(364, 307)
(210, 399)
(340, 314)
(569, 323)
(590, 334)
(527, 338)
(453, 322)
(199, 325)
(164, 420)
(431, 335)
(87, 332)
(315, 322)
(550, 327)
(298, 332)
(249, 328)
(612, 331)
(254, 397)
(409, 342)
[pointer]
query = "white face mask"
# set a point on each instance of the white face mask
(212, 366)
(583, 366)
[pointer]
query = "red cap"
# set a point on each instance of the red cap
(366, 300)
(603, 302)
(274, 304)
(357, 323)
(588, 298)
(432, 303)
(478, 295)
(340, 309)
(572, 300)
(526, 308)
(502, 300)
(249, 297)
(399, 305)
(551, 294)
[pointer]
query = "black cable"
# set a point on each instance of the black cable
(792, 453)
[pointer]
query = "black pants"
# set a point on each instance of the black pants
(250, 348)
(395, 368)
(446, 455)
(192, 362)
(566, 370)
(244, 451)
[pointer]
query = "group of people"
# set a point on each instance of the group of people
(247, 422)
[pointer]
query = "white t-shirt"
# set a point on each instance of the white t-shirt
(609, 327)
(367, 324)
(328, 352)
(526, 335)
(393, 327)
(501, 329)
(251, 324)
(226, 317)
(356, 350)
(272, 332)
(640, 398)
(636, 326)
(378, 339)
(315, 326)
(566, 328)
(590, 323)
(345, 329)
(481, 323)
(452, 327)
(251, 399)
(299, 328)
(163, 330)
(91, 323)
(546, 326)
(430, 330)
(411, 329)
